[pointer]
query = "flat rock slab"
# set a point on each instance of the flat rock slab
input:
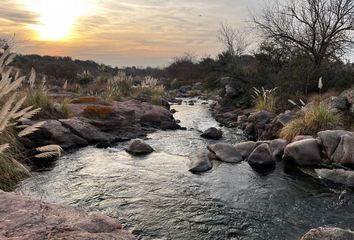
(23, 218)
(328, 234)
(339, 176)
(226, 153)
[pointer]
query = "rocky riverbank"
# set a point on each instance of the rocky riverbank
(23, 218)
(94, 121)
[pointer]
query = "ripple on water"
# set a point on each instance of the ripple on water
(157, 198)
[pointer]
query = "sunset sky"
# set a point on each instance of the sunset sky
(120, 32)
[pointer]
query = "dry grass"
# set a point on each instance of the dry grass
(314, 119)
(264, 99)
(11, 115)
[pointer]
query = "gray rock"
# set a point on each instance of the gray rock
(212, 133)
(200, 162)
(138, 147)
(304, 153)
(25, 218)
(344, 153)
(349, 95)
(338, 103)
(340, 176)
(225, 152)
(277, 147)
(301, 137)
(330, 140)
(261, 157)
(245, 148)
(328, 234)
(87, 131)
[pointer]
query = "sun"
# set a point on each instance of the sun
(56, 18)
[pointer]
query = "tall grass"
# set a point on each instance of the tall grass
(264, 99)
(37, 94)
(11, 115)
(119, 87)
(314, 119)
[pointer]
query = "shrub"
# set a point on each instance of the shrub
(64, 108)
(119, 87)
(85, 78)
(265, 99)
(314, 119)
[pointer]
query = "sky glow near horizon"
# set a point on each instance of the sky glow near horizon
(121, 33)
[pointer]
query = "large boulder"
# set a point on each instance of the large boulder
(212, 133)
(328, 234)
(245, 148)
(53, 132)
(138, 147)
(344, 153)
(200, 162)
(304, 153)
(339, 176)
(86, 130)
(338, 103)
(261, 158)
(25, 218)
(225, 153)
(277, 147)
(330, 140)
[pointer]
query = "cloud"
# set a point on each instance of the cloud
(136, 32)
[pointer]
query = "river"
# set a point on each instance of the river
(157, 198)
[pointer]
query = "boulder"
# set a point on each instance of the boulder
(328, 234)
(261, 158)
(25, 218)
(277, 147)
(344, 153)
(86, 130)
(260, 118)
(330, 140)
(200, 162)
(245, 148)
(225, 153)
(339, 176)
(338, 104)
(212, 133)
(53, 132)
(348, 95)
(304, 153)
(138, 147)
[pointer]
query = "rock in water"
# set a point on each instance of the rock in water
(304, 153)
(212, 133)
(339, 176)
(344, 153)
(225, 152)
(200, 162)
(277, 147)
(328, 234)
(330, 140)
(25, 218)
(245, 148)
(261, 158)
(138, 147)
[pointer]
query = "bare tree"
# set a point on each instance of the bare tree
(320, 29)
(234, 40)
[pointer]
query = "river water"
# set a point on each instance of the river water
(157, 198)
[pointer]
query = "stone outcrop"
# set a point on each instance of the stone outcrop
(23, 218)
(261, 158)
(339, 176)
(138, 147)
(328, 234)
(304, 153)
(344, 153)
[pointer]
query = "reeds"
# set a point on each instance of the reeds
(264, 99)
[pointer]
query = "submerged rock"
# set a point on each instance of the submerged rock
(328, 234)
(339, 176)
(200, 162)
(226, 153)
(25, 218)
(212, 133)
(261, 158)
(304, 153)
(138, 147)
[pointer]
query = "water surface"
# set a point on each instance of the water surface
(157, 198)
